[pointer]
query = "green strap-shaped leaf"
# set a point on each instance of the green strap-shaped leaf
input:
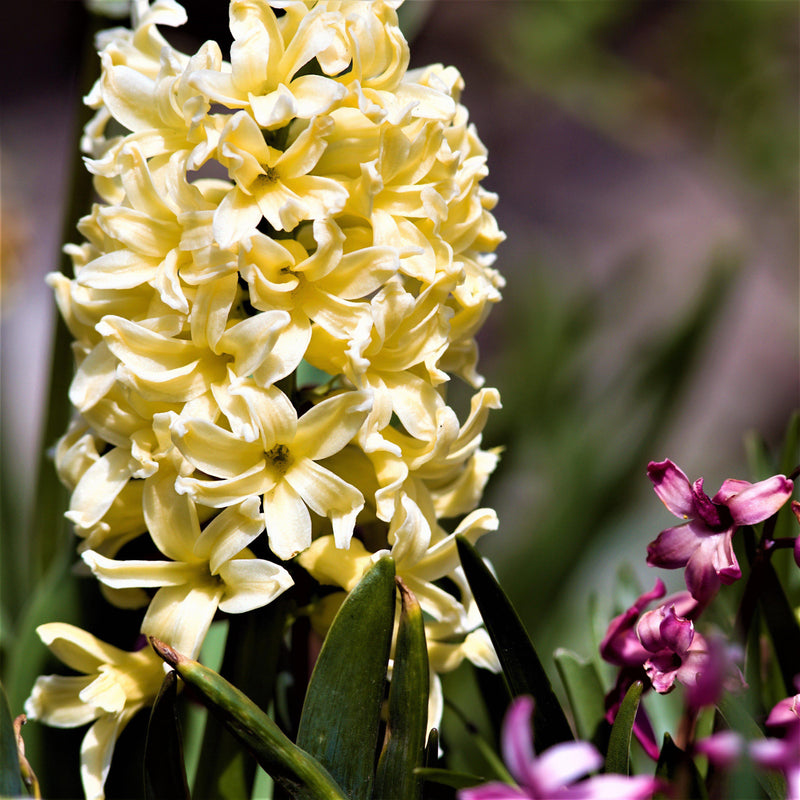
(447, 777)
(164, 770)
(224, 770)
(11, 783)
(585, 692)
(408, 707)
(521, 665)
(341, 713)
(290, 766)
(619, 742)
(781, 623)
(432, 748)
(676, 767)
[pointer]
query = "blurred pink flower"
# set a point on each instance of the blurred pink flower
(725, 748)
(703, 544)
(787, 712)
(553, 774)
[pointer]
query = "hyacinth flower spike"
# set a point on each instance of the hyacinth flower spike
(554, 774)
(703, 545)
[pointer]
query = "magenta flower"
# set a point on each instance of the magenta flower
(621, 646)
(725, 748)
(553, 774)
(675, 651)
(720, 673)
(786, 713)
(703, 545)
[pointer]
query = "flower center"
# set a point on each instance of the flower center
(270, 176)
(280, 458)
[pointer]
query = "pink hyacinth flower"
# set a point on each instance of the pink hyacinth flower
(703, 545)
(554, 774)
(725, 748)
(786, 713)
(622, 646)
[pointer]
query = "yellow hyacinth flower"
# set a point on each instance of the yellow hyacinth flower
(115, 684)
(288, 262)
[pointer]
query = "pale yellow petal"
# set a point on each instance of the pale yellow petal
(182, 615)
(251, 340)
(119, 269)
(327, 495)
(330, 425)
(76, 648)
(171, 518)
(98, 487)
(94, 378)
(236, 217)
(104, 692)
(229, 491)
(96, 751)
(132, 573)
(287, 521)
(229, 533)
(251, 583)
(214, 450)
(54, 699)
(334, 566)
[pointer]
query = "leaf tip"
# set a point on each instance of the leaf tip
(169, 654)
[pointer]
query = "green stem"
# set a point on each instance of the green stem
(278, 755)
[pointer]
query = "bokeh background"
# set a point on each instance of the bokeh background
(646, 157)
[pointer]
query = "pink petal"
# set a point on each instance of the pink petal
(684, 604)
(561, 765)
(518, 738)
(612, 787)
(714, 516)
(648, 630)
(643, 731)
(620, 645)
(673, 547)
(722, 749)
(676, 633)
(759, 501)
(661, 675)
(492, 791)
(773, 753)
(729, 488)
(673, 487)
(785, 713)
(701, 576)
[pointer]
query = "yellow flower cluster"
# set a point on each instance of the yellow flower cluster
(290, 261)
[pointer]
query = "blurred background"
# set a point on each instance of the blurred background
(646, 157)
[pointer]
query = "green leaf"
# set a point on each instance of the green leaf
(782, 625)
(677, 768)
(584, 690)
(447, 777)
(341, 713)
(164, 770)
(790, 457)
(521, 665)
(432, 748)
(290, 766)
(11, 783)
(252, 647)
(408, 707)
(619, 742)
